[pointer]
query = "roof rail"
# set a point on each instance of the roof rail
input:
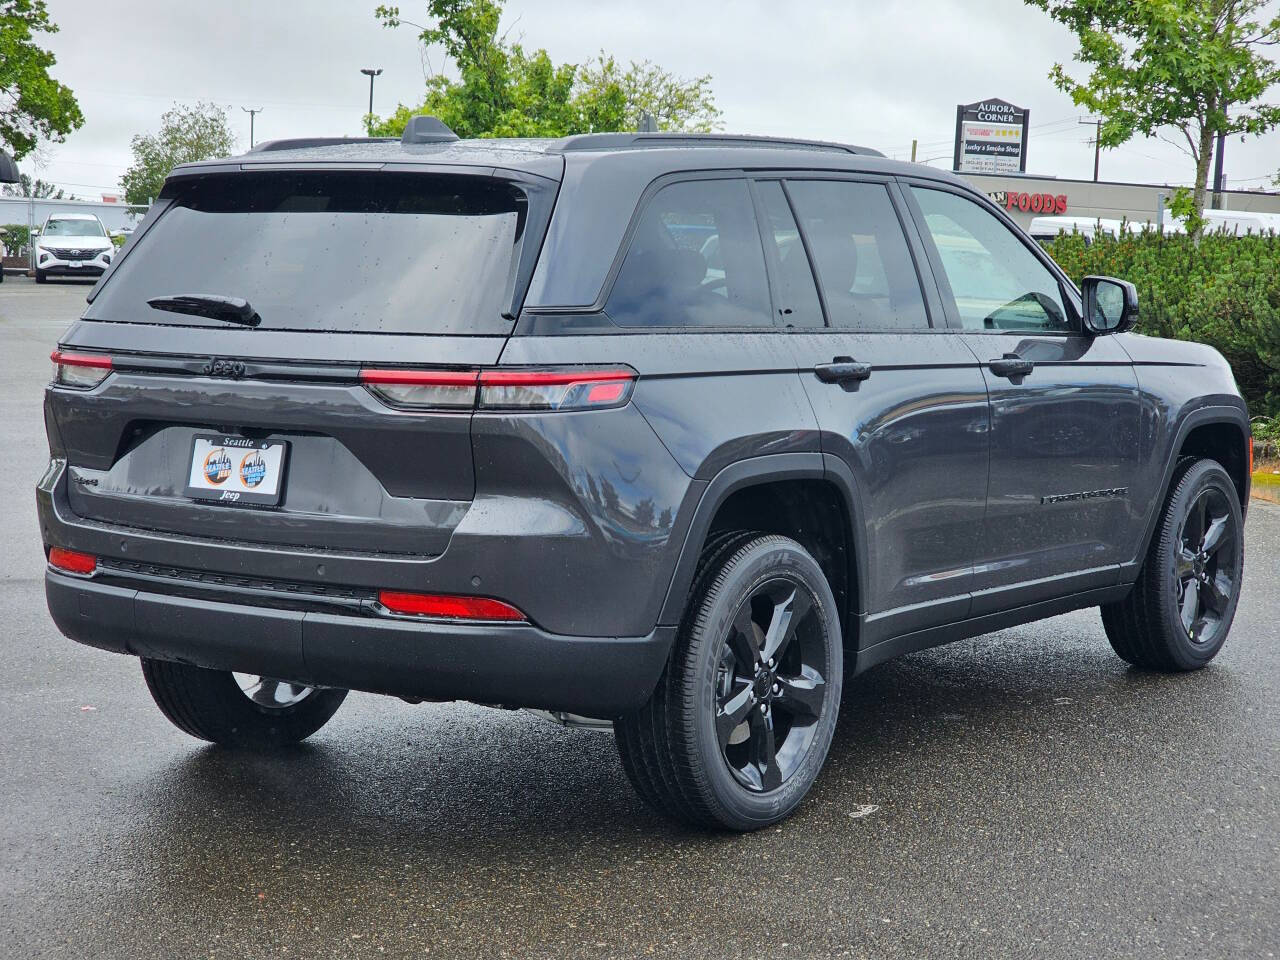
(301, 143)
(631, 141)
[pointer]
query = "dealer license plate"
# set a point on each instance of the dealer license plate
(237, 470)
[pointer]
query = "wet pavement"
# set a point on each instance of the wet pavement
(1021, 794)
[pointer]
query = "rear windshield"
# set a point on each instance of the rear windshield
(365, 252)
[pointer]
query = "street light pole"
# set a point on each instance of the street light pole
(1097, 144)
(252, 113)
(370, 73)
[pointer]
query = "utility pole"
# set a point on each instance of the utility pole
(1217, 172)
(252, 113)
(370, 73)
(1097, 144)
(914, 144)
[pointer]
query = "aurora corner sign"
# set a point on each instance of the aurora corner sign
(991, 137)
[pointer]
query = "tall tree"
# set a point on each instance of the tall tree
(187, 134)
(1196, 67)
(503, 90)
(28, 187)
(33, 106)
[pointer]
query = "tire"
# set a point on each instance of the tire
(683, 750)
(211, 705)
(1179, 612)
(41, 276)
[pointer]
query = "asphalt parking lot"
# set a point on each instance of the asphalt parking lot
(1023, 794)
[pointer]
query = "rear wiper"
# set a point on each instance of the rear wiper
(230, 309)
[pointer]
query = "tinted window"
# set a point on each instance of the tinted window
(695, 260)
(797, 296)
(998, 283)
(384, 252)
(863, 262)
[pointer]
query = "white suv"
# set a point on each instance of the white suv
(71, 245)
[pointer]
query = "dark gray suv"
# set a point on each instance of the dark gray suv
(669, 432)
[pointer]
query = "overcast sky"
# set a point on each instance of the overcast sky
(876, 72)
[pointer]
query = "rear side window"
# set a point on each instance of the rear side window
(695, 260)
(797, 295)
(864, 264)
(376, 252)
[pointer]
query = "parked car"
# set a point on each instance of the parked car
(71, 245)
(480, 420)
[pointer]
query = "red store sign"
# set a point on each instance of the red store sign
(1031, 202)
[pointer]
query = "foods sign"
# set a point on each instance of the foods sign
(991, 137)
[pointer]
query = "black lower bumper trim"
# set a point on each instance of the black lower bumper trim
(510, 664)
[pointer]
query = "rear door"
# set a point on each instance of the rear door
(1064, 410)
(346, 272)
(899, 398)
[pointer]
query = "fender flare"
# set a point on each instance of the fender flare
(756, 471)
(1226, 415)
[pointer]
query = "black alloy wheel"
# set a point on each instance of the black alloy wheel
(771, 684)
(1179, 611)
(1206, 567)
(740, 723)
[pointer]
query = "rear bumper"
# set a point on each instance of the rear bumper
(515, 665)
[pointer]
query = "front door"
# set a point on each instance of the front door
(1064, 411)
(900, 402)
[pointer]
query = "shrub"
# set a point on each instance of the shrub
(15, 237)
(1223, 291)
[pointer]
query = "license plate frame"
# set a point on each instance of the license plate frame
(232, 457)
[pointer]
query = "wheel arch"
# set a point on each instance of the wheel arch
(810, 497)
(1218, 433)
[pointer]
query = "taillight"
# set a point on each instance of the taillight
(424, 389)
(79, 369)
(555, 389)
(449, 607)
(560, 388)
(72, 561)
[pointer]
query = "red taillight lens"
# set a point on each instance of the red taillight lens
(79, 369)
(424, 389)
(72, 561)
(562, 388)
(454, 608)
(555, 389)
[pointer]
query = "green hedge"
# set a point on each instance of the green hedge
(1223, 291)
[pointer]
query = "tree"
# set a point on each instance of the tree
(33, 106)
(1191, 66)
(37, 188)
(14, 237)
(502, 90)
(187, 134)
(644, 87)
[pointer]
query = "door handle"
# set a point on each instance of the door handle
(842, 370)
(1011, 365)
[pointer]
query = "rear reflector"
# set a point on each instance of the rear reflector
(79, 369)
(72, 561)
(562, 388)
(454, 608)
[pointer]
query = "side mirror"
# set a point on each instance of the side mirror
(1110, 305)
(35, 231)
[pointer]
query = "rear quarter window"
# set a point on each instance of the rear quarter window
(335, 251)
(695, 260)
